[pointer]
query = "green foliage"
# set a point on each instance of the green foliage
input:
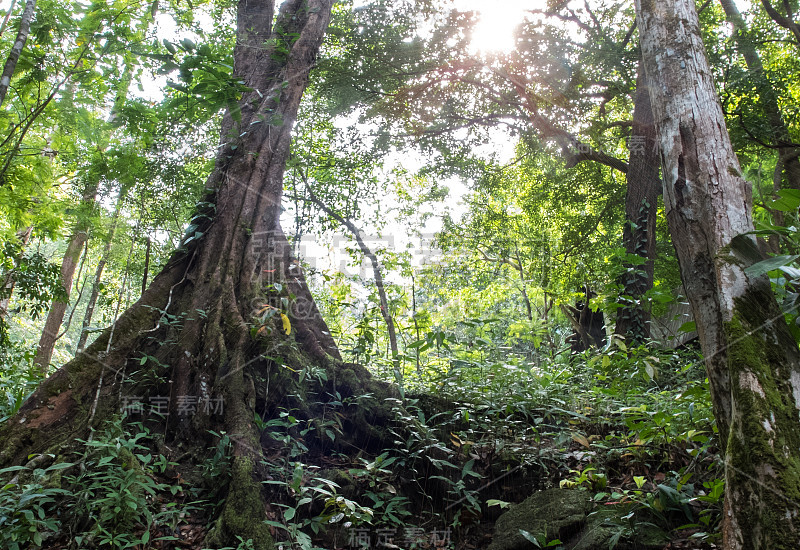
(388, 507)
(782, 269)
(665, 506)
(306, 491)
(397, 106)
(539, 541)
(37, 282)
(116, 492)
(27, 508)
(216, 468)
(108, 498)
(18, 377)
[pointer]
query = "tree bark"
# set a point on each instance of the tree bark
(16, 50)
(641, 205)
(787, 155)
(588, 325)
(55, 316)
(202, 314)
(752, 361)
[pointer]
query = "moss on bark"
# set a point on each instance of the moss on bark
(243, 512)
(763, 448)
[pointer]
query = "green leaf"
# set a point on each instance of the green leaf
(501, 503)
(789, 201)
(770, 264)
(527, 536)
(170, 46)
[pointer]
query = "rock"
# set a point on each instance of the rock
(554, 512)
(564, 514)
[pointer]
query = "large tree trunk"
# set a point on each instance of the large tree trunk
(233, 266)
(641, 205)
(752, 360)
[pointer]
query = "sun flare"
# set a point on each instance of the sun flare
(494, 31)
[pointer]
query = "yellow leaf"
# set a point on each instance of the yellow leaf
(581, 439)
(287, 325)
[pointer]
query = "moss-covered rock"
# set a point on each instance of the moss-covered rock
(566, 515)
(556, 513)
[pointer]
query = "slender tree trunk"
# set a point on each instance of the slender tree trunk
(80, 233)
(376, 270)
(58, 308)
(787, 155)
(641, 205)
(148, 243)
(16, 50)
(784, 20)
(204, 315)
(8, 16)
(416, 322)
(518, 267)
(523, 285)
(98, 277)
(752, 360)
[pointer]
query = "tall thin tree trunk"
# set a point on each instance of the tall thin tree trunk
(376, 270)
(8, 16)
(80, 233)
(416, 322)
(787, 155)
(752, 361)
(148, 243)
(58, 308)
(641, 205)
(98, 277)
(16, 50)
(523, 284)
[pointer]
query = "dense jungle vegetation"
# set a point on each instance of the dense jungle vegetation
(398, 274)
